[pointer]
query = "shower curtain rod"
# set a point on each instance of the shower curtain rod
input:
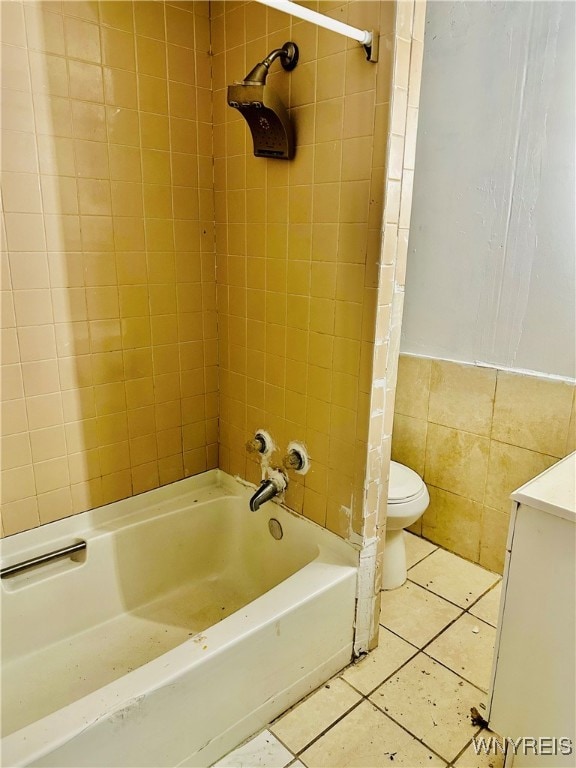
(369, 39)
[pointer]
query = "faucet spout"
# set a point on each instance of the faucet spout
(265, 492)
(275, 484)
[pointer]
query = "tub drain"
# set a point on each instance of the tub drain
(275, 528)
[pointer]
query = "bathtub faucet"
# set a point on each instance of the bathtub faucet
(275, 484)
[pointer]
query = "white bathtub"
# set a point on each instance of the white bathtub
(180, 630)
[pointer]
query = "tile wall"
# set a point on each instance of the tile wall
(109, 351)
(121, 348)
(298, 247)
(476, 434)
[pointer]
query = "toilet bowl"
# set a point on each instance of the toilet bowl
(407, 499)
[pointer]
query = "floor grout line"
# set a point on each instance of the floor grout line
(367, 695)
(404, 728)
(419, 739)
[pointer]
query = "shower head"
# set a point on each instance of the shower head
(265, 114)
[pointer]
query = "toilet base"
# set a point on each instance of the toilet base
(394, 572)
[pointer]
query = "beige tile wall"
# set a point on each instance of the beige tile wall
(109, 351)
(298, 247)
(476, 434)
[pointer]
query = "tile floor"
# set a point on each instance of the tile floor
(408, 702)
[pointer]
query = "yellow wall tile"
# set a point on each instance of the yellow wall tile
(135, 149)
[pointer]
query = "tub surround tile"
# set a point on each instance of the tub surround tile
(302, 724)
(369, 672)
(79, 161)
(462, 396)
(415, 614)
(263, 751)
(457, 461)
(452, 577)
(417, 548)
(487, 607)
(431, 702)
(454, 522)
(467, 648)
(509, 467)
(532, 412)
(367, 738)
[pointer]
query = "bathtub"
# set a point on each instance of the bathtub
(180, 628)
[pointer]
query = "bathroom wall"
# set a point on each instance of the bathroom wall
(476, 434)
(490, 276)
(297, 248)
(491, 269)
(109, 377)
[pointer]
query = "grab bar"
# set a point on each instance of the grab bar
(9, 570)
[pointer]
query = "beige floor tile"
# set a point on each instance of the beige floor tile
(416, 548)
(487, 607)
(306, 720)
(467, 648)
(470, 759)
(380, 663)
(415, 614)
(366, 738)
(452, 577)
(432, 703)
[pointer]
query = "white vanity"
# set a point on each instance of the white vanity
(533, 690)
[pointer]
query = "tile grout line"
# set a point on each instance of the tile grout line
(467, 608)
(316, 738)
(446, 760)
(423, 648)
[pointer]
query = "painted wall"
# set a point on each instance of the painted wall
(109, 351)
(491, 257)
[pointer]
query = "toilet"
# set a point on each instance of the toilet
(407, 500)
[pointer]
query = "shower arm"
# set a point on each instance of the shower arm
(288, 56)
(367, 38)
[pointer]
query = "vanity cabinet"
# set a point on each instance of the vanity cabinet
(533, 688)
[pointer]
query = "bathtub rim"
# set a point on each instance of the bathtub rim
(117, 514)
